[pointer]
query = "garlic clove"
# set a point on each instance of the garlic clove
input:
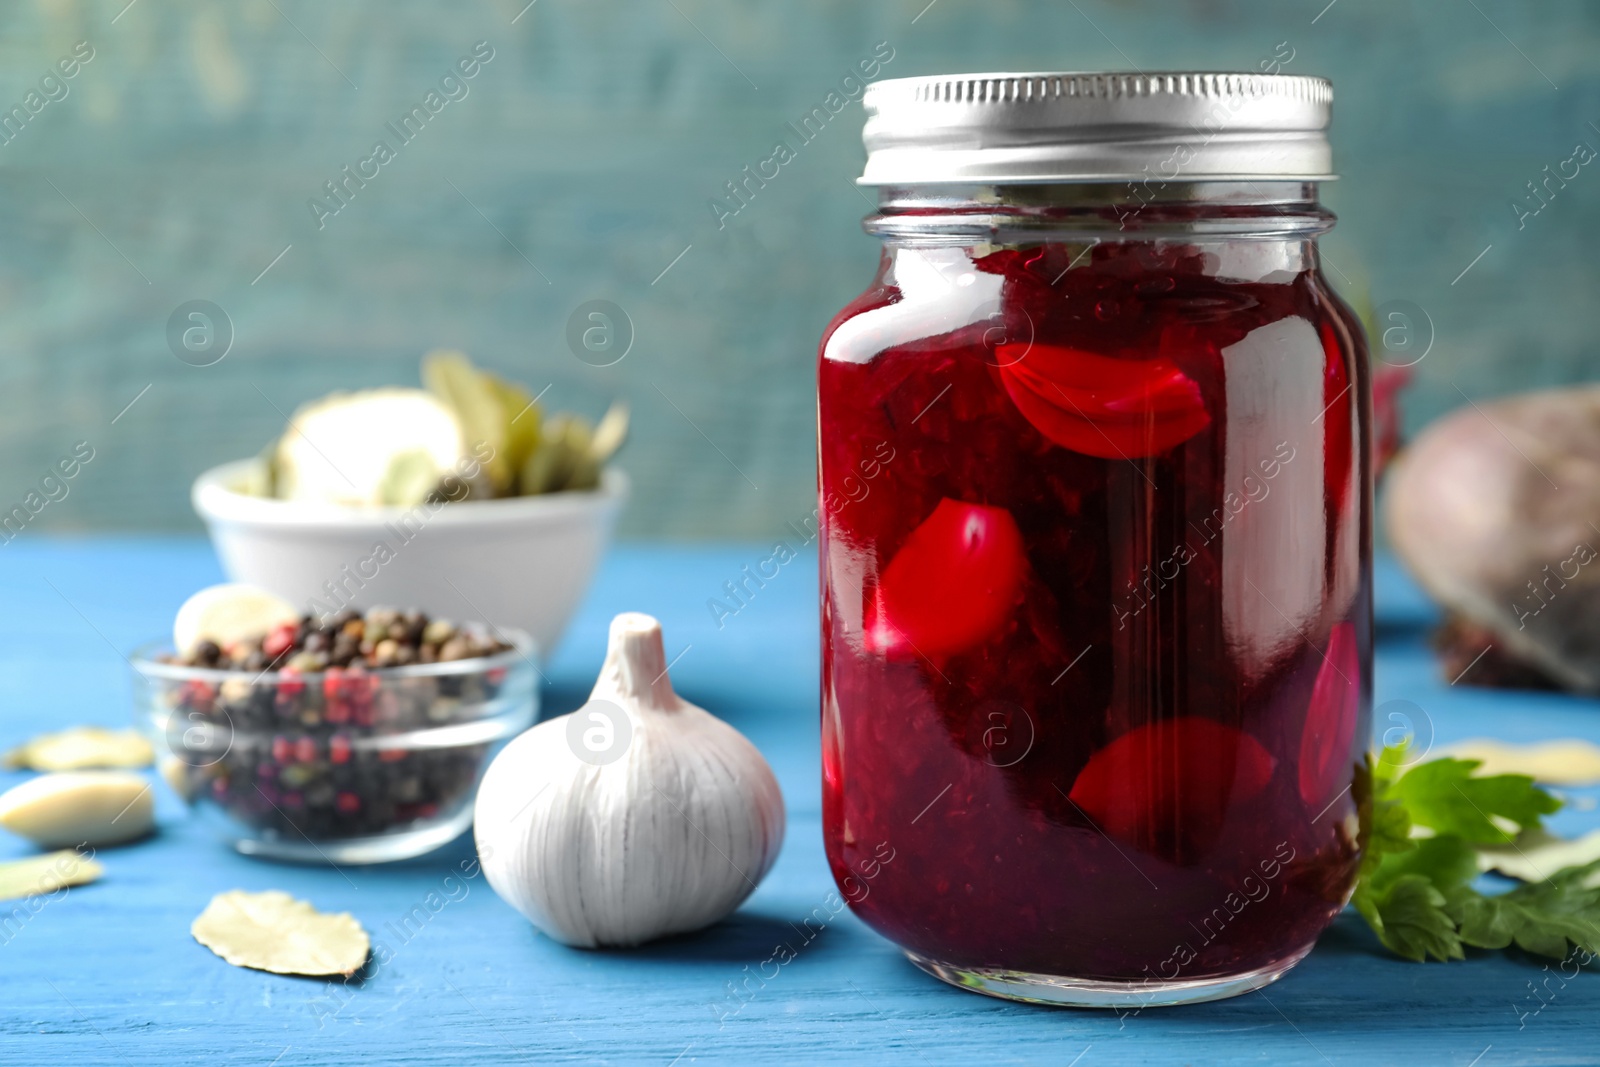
(82, 748)
(636, 817)
(175, 772)
(227, 613)
(79, 808)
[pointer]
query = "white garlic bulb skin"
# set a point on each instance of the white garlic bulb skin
(666, 836)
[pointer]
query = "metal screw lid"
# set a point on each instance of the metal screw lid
(1015, 128)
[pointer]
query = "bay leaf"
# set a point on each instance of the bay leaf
(1538, 854)
(1571, 762)
(273, 931)
(38, 875)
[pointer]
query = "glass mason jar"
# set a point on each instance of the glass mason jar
(1096, 505)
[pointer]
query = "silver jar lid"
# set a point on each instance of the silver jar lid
(1015, 128)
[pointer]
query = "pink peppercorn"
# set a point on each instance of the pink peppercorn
(339, 748)
(201, 696)
(280, 640)
(336, 691)
(290, 684)
(305, 750)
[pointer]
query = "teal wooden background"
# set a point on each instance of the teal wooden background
(581, 164)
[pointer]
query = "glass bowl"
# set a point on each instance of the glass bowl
(339, 766)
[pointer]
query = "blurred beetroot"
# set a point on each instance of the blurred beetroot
(1494, 508)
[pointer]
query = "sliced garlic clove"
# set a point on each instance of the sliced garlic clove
(79, 808)
(227, 613)
(176, 773)
(82, 748)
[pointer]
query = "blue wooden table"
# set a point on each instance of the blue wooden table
(109, 973)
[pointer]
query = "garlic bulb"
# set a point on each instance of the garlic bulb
(637, 816)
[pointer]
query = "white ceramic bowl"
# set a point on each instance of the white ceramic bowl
(523, 561)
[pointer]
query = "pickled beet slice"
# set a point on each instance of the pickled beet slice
(1331, 720)
(953, 582)
(1166, 787)
(1099, 406)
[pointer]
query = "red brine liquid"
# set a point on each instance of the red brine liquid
(1096, 609)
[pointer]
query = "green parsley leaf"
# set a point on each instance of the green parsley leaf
(1416, 892)
(1385, 823)
(1563, 908)
(1483, 922)
(1445, 862)
(1386, 829)
(1443, 795)
(1389, 830)
(1390, 764)
(1413, 922)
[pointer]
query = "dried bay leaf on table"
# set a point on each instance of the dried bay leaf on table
(1538, 854)
(273, 931)
(47, 873)
(1569, 762)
